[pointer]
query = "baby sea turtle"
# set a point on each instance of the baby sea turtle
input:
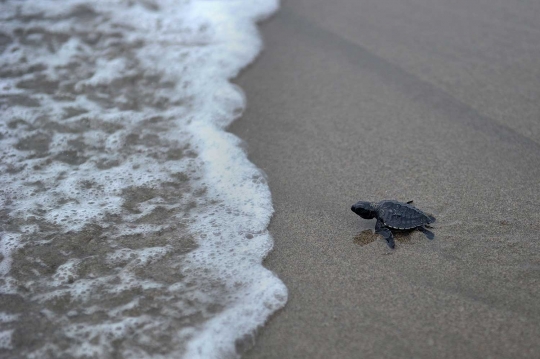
(394, 215)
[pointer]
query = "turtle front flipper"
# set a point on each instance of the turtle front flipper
(428, 233)
(386, 233)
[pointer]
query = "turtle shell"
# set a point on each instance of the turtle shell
(400, 215)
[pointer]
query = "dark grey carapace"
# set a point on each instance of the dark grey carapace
(394, 215)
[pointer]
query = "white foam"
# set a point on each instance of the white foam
(104, 144)
(6, 318)
(5, 339)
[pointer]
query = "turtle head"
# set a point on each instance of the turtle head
(365, 210)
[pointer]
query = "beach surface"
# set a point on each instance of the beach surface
(431, 101)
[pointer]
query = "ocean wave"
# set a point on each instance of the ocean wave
(133, 224)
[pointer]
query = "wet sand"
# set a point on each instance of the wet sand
(430, 101)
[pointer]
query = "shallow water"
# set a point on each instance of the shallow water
(133, 225)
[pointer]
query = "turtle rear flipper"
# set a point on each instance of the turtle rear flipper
(428, 233)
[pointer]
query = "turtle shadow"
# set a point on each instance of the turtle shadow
(367, 236)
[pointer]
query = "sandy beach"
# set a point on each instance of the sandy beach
(431, 101)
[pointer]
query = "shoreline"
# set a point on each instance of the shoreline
(377, 108)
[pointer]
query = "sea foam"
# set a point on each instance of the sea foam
(133, 223)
